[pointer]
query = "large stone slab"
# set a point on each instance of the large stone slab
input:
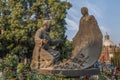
(69, 73)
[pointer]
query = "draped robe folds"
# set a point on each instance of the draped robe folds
(88, 32)
(87, 41)
(41, 51)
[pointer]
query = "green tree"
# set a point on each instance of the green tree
(116, 59)
(19, 20)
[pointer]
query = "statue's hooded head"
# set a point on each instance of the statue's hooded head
(84, 11)
(46, 25)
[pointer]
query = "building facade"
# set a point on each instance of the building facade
(108, 50)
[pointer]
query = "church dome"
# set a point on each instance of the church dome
(107, 41)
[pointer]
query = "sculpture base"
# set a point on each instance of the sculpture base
(69, 72)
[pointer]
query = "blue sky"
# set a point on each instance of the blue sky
(106, 12)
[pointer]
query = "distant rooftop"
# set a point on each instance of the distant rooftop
(107, 41)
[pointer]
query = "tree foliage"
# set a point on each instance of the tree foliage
(116, 59)
(19, 20)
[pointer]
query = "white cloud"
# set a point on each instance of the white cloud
(105, 29)
(71, 25)
(94, 9)
(73, 16)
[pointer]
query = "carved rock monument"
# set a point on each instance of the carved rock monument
(87, 45)
(43, 56)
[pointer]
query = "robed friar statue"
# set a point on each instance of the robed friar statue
(43, 55)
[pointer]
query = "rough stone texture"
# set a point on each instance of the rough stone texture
(87, 44)
(43, 56)
(87, 48)
(71, 73)
(88, 40)
(45, 60)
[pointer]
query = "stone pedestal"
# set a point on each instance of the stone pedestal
(69, 73)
